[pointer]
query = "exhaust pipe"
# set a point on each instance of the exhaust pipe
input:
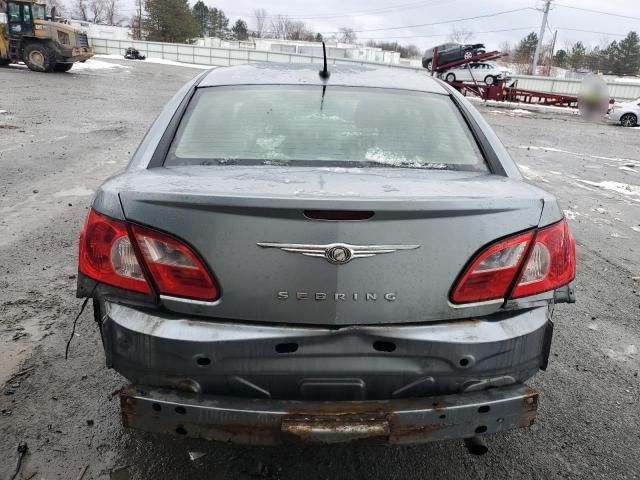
(476, 445)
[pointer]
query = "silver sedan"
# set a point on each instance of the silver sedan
(295, 256)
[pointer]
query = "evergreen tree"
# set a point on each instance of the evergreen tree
(577, 55)
(561, 58)
(240, 30)
(201, 15)
(169, 21)
(218, 24)
(627, 58)
(526, 48)
(318, 37)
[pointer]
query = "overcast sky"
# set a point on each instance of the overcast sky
(330, 15)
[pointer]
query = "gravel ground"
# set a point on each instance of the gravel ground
(61, 135)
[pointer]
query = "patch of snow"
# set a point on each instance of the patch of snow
(577, 154)
(618, 187)
(160, 61)
(376, 154)
(93, 64)
(636, 229)
(628, 169)
(74, 192)
(570, 214)
(530, 174)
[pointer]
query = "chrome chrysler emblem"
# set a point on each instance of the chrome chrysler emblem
(337, 253)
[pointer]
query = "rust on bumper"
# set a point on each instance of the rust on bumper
(274, 422)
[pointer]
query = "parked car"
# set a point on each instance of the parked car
(282, 261)
(133, 54)
(451, 52)
(487, 72)
(626, 114)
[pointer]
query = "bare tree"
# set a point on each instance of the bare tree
(80, 10)
(136, 20)
(59, 7)
(347, 35)
(260, 15)
(112, 12)
(505, 47)
(97, 10)
(460, 35)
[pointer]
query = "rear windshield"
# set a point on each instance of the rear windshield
(332, 126)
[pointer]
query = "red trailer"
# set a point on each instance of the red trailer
(500, 91)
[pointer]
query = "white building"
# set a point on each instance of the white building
(338, 50)
(93, 30)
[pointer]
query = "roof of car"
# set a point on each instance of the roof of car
(307, 74)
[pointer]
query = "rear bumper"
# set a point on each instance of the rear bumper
(273, 422)
(357, 363)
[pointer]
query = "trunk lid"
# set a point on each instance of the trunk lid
(225, 212)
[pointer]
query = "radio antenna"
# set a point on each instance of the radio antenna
(324, 73)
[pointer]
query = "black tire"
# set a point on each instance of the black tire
(428, 65)
(490, 80)
(468, 54)
(450, 77)
(39, 57)
(62, 67)
(629, 120)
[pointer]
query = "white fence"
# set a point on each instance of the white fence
(218, 56)
(619, 90)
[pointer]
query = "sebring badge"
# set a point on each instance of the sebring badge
(338, 253)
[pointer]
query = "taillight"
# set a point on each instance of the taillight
(493, 270)
(499, 271)
(551, 264)
(174, 267)
(107, 254)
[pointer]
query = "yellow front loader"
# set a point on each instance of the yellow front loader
(42, 43)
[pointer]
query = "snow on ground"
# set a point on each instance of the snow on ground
(161, 61)
(618, 187)
(93, 64)
(629, 162)
(525, 106)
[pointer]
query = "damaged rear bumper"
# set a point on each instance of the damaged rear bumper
(274, 422)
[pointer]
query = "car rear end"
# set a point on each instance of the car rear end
(324, 263)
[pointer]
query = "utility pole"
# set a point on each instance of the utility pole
(543, 27)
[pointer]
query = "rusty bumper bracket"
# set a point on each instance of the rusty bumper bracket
(273, 422)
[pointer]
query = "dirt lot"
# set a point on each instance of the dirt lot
(61, 135)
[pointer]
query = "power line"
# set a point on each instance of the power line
(443, 22)
(598, 11)
(591, 31)
(447, 34)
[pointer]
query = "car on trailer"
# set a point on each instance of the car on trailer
(486, 72)
(350, 255)
(452, 52)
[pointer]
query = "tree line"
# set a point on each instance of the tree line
(616, 58)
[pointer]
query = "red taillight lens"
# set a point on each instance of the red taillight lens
(493, 270)
(174, 267)
(551, 264)
(107, 254)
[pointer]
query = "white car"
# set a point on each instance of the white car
(626, 114)
(482, 72)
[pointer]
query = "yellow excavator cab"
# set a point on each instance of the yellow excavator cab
(42, 42)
